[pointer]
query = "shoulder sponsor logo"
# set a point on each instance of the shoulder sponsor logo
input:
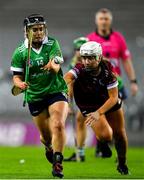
(50, 42)
(22, 48)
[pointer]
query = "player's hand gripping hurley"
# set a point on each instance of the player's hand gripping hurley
(16, 90)
(30, 36)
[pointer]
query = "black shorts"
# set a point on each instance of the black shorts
(37, 107)
(86, 111)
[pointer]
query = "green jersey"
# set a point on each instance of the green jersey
(41, 82)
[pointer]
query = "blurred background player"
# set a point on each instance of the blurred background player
(77, 43)
(115, 49)
(77, 118)
(96, 94)
(45, 88)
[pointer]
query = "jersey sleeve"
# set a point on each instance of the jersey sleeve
(112, 84)
(17, 63)
(55, 50)
(124, 51)
(76, 70)
(111, 80)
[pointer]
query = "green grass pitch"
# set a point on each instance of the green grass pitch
(37, 167)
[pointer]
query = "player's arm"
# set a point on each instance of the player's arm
(111, 83)
(18, 81)
(55, 58)
(112, 100)
(127, 64)
(129, 69)
(17, 67)
(69, 79)
(126, 58)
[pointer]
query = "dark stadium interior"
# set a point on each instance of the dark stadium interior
(67, 20)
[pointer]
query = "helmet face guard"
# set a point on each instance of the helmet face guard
(91, 51)
(91, 57)
(34, 19)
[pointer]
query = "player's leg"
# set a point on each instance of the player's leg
(79, 154)
(43, 124)
(117, 122)
(102, 129)
(81, 136)
(103, 149)
(58, 113)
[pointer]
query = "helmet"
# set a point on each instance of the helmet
(79, 41)
(34, 19)
(91, 48)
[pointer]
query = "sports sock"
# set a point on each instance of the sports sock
(121, 160)
(81, 151)
(57, 158)
(48, 146)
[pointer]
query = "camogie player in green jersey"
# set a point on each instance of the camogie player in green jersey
(45, 87)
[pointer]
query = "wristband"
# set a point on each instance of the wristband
(133, 81)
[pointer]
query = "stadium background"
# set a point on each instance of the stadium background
(66, 21)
